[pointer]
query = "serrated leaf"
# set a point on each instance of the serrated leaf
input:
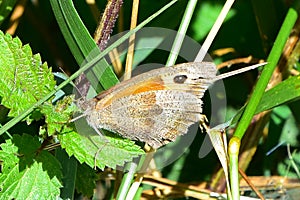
(23, 78)
(58, 115)
(28, 173)
(109, 152)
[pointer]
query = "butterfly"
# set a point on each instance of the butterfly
(157, 106)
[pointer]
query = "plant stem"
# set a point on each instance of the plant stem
(258, 92)
(233, 151)
(127, 178)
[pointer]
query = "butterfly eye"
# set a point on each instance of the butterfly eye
(180, 78)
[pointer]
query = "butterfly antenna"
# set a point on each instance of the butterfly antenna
(238, 71)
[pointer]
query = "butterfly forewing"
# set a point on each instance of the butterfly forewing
(154, 107)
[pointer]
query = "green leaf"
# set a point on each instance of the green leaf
(23, 165)
(69, 170)
(59, 115)
(286, 91)
(109, 153)
(24, 79)
(86, 175)
(5, 8)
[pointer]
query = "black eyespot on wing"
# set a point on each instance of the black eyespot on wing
(180, 79)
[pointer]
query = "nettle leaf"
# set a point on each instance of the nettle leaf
(59, 115)
(108, 152)
(23, 78)
(24, 165)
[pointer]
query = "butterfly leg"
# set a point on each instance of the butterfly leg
(101, 148)
(203, 123)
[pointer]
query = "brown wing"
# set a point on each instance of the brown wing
(154, 107)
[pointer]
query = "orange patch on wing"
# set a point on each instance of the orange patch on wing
(149, 85)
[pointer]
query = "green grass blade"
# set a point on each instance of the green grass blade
(181, 32)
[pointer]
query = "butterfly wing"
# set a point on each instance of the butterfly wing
(153, 117)
(157, 106)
